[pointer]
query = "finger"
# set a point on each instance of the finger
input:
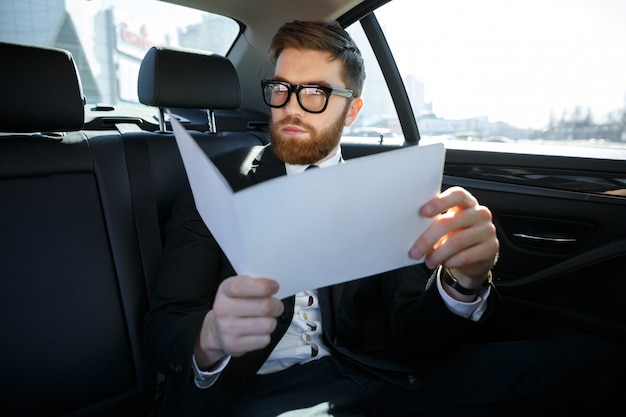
(452, 197)
(475, 260)
(245, 287)
(251, 326)
(444, 225)
(247, 307)
(468, 246)
(244, 335)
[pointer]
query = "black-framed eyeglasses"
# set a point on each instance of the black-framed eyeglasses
(312, 98)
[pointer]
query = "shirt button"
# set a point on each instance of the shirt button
(305, 316)
(307, 338)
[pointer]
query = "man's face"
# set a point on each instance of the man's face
(300, 137)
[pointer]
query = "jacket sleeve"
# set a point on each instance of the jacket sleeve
(191, 268)
(395, 319)
(420, 318)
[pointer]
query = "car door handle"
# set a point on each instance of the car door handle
(546, 235)
(547, 239)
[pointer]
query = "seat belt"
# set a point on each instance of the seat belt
(144, 204)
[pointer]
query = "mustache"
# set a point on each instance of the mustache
(294, 121)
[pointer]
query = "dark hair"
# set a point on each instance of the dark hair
(323, 36)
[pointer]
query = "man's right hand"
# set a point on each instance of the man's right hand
(242, 319)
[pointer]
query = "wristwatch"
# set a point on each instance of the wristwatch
(454, 283)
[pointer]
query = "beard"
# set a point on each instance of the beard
(305, 151)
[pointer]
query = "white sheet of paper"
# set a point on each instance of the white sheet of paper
(321, 227)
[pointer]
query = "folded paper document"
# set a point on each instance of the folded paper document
(321, 228)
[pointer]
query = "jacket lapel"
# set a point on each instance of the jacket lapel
(266, 166)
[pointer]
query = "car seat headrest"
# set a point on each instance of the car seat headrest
(41, 90)
(171, 77)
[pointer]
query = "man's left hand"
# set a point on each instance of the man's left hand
(462, 237)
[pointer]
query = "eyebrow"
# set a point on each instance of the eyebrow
(322, 83)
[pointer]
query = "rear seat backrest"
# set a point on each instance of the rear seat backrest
(50, 98)
(170, 78)
(71, 281)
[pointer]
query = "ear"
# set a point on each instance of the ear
(353, 111)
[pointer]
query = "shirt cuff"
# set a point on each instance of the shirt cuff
(473, 311)
(205, 379)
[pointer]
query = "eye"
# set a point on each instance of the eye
(313, 91)
(279, 88)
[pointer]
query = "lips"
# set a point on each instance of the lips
(293, 130)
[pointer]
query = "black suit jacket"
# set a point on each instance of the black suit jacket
(388, 323)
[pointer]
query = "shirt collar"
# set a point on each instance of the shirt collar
(298, 169)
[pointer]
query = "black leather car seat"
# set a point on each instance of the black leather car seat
(72, 288)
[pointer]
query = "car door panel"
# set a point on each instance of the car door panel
(562, 241)
(563, 250)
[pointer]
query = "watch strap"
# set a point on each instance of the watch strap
(451, 280)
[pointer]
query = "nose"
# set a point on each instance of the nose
(292, 107)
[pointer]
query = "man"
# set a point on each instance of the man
(384, 345)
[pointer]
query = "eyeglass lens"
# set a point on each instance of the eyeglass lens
(311, 98)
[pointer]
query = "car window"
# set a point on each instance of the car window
(377, 122)
(109, 38)
(517, 72)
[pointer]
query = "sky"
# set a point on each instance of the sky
(517, 61)
(513, 60)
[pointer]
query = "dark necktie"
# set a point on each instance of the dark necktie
(311, 167)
